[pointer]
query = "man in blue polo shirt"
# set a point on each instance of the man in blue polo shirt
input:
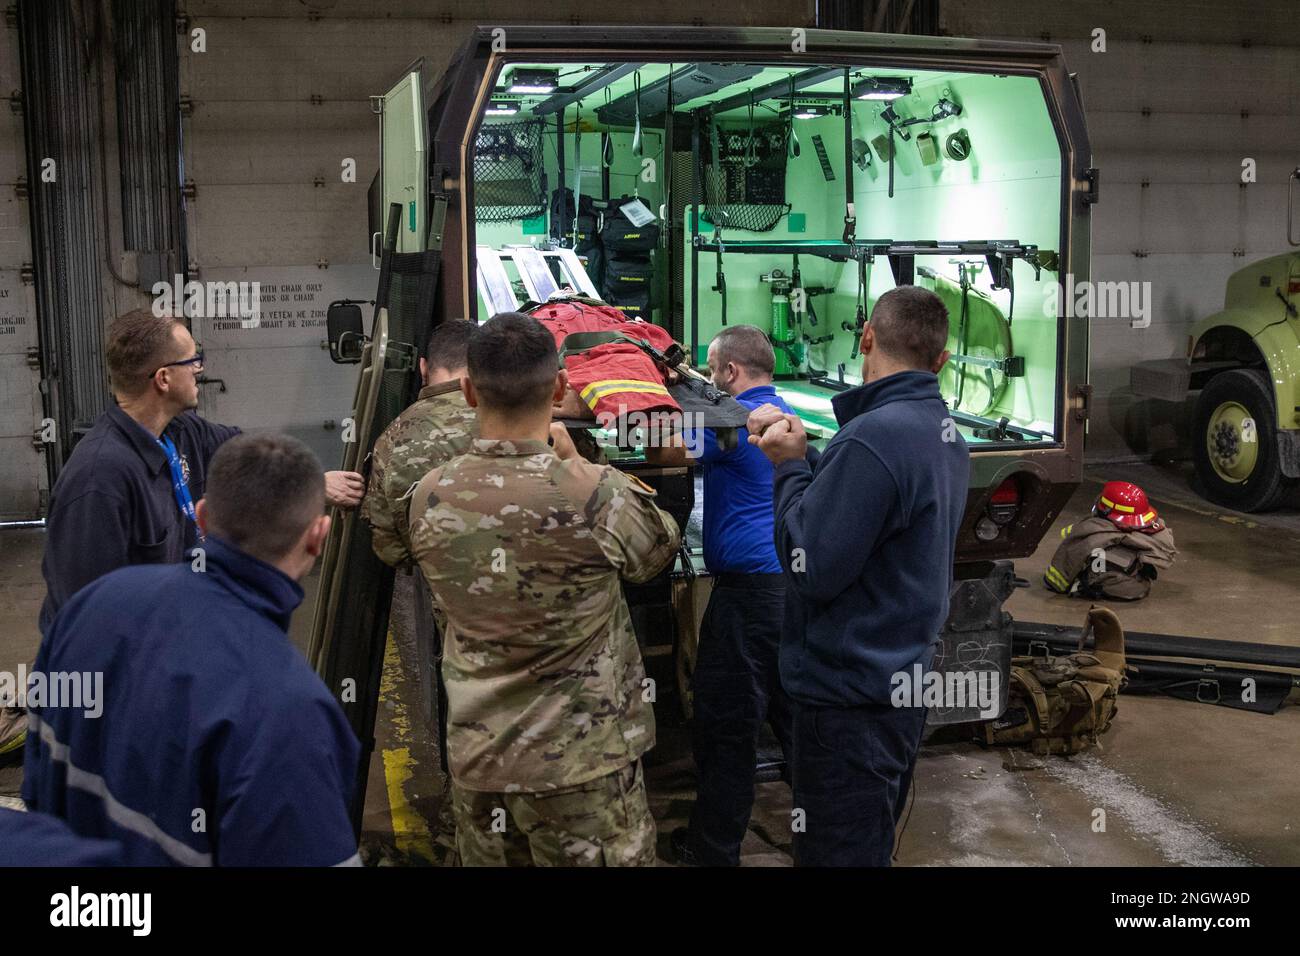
(736, 682)
(127, 493)
(213, 743)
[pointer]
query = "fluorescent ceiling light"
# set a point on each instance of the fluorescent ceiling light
(533, 81)
(501, 108)
(809, 110)
(883, 88)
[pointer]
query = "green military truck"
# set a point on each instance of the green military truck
(1245, 362)
(783, 178)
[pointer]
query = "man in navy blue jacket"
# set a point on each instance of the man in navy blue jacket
(866, 540)
(126, 494)
(212, 742)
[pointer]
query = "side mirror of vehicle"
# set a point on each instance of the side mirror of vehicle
(346, 331)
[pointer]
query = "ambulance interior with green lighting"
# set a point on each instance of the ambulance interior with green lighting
(704, 177)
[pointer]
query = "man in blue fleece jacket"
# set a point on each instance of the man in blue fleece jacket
(866, 540)
(213, 743)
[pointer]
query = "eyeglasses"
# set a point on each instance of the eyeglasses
(196, 361)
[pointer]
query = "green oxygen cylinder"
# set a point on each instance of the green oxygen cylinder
(785, 339)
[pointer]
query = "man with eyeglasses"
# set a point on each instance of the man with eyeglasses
(126, 494)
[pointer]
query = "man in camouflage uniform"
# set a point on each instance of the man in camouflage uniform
(436, 428)
(523, 545)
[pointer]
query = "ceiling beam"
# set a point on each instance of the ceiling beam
(606, 75)
(778, 89)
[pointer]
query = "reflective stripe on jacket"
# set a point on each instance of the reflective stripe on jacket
(617, 377)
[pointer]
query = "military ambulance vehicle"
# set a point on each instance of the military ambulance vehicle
(703, 177)
(1245, 360)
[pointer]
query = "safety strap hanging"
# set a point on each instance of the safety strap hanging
(607, 150)
(963, 275)
(636, 102)
(577, 165)
(860, 314)
(559, 161)
(718, 213)
(751, 149)
(791, 137)
(850, 211)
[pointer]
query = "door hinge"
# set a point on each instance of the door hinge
(1092, 176)
(1082, 401)
(33, 358)
(27, 273)
(20, 187)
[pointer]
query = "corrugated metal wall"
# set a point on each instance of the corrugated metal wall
(61, 86)
(101, 201)
(148, 122)
(22, 466)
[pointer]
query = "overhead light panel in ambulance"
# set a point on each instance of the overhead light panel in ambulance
(883, 88)
(533, 81)
(498, 107)
(808, 111)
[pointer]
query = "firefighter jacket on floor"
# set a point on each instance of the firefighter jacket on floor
(1127, 560)
(612, 378)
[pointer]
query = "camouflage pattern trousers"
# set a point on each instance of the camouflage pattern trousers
(603, 822)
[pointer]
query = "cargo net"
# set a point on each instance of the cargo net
(743, 172)
(509, 180)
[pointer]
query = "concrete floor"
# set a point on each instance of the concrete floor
(1176, 782)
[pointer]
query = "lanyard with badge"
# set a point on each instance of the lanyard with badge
(180, 487)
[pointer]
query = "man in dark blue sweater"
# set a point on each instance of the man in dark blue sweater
(213, 743)
(866, 540)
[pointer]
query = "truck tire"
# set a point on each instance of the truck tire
(1235, 471)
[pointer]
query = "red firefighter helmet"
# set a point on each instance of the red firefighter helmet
(1126, 505)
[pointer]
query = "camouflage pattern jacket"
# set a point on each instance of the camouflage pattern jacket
(436, 428)
(524, 554)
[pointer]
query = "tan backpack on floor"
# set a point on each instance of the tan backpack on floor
(1062, 705)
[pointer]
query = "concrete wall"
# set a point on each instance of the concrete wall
(1185, 90)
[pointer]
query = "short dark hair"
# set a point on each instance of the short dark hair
(911, 325)
(448, 344)
(137, 344)
(748, 347)
(262, 493)
(512, 362)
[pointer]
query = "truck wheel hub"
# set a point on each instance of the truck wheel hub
(1231, 442)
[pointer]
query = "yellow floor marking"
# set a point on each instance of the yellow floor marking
(410, 830)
